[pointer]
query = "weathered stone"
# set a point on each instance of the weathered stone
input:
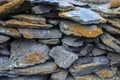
(115, 22)
(28, 52)
(96, 1)
(41, 69)
(71, 28)
(53, 21)
(87, 77)
(90, 40)
(41, 9)
(70, 48)
(72, 41)
(41, 34)
(4, 38)
(114, 57)
(106, 73)
(31, 18)
(83, 60)
(79, 15)
(10, 7)
(36, 77)
(50, 41)
(63, 58)
(3, 2)
(86, 49)
(114, 3)
(98, 63)
(110, 41)
(104, 47)
(5, 51)
(9, 31)
(98, 52)
(61, 75)
(23, 24)
(111, 29)
(3, 61)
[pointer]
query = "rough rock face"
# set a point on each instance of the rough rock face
(59, 39)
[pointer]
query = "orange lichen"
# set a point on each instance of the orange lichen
(34, 58)
(13, 31)
(103, 74)
(86, 32)
(90, 77)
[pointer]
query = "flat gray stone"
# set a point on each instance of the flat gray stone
(50, 41)
(4, 38)
(5, 51)
(41, 69)
(62, 57)
(27, 53)
(61, 75)
(98, 52)
(98, 63)
(83, 16)
(71, 41)
(40, 34)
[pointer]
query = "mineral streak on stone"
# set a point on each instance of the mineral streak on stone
(4, 38)
(63, 58)
(10, 7)
(24, 24)
(41, 9)
(41, 34)
(28, 52)
(98, 63)
(83, 16)
(70, 28)
(31, 18)
(115, 22)
(10, 31)
(110, 41)
(61, 75)
(75, 42)
(50, 41)
(41, 69)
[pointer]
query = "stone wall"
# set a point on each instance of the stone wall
(59, 40)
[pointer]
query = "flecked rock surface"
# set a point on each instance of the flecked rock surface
(59, 39)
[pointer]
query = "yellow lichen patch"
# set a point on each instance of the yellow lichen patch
(104, 74)
(6, 8)
(115, 3)
(86, 32)
(87, 77)
(13, 31)
(34, 58)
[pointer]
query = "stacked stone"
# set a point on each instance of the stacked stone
(59, 40)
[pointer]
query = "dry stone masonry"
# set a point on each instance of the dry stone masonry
(59, 39)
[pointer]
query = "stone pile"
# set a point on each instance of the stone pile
(59, 40)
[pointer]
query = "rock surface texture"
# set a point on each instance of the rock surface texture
(59, 39)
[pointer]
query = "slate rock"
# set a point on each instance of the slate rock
(10, 31)
(41, 69)
(71, 28)
(53, 21)
(79, 15)
(106, 73)
(69, 77)
(4, 38)
(60, 75)
(11, 7)
(27, 53)
(110, 41)
(5, 51)
(41, 9)
(24, 24)
(62, 57)
(98, 52)
(3, 61)
(86, 49)
(35, 77)
(40, 34)
(115, 22)
(98, 63)
(50, 41)
(87, 77)
(71, 41)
